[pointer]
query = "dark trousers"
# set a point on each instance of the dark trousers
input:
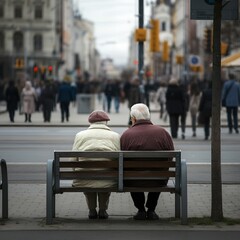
(232, 117)
(46, 114)
(11, 113)
(207, 126)
(64, 110)
(174, 124)
(139, 200)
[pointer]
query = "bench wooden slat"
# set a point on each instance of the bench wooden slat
(149, 189)
(147, 174)
(79, 189)
(89, 164)
(149, 164)
(76, 154)
(93, 175)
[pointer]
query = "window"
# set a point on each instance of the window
(38, 42)
(18, 12)
(1, 11)
(163, 26)
(18, 41)
(38, 12)
(2, 40)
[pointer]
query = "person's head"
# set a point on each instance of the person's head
(139, 111)
(28, 84)
(231, 76)
(173, 81)
(98, 116)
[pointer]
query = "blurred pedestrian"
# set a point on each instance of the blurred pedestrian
(183, 116)
(64, 98)
(205, 109)
(117, 90)
(195, 95)
(175, 103)
(98, 137)
(28, 97)
(109, 94)
(231, 93)
(161, 99)
(12, 99)
(134, 95)
(47, 99)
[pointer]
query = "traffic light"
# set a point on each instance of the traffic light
(179, 59)
(154, 36)
(35, 70)
(140, 35)
(19, 63)
(224, 48)
(208, 40)
(50, 69)
(165, 52)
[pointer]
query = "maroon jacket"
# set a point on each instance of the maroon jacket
(144, 136)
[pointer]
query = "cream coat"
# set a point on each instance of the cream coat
(98, 137)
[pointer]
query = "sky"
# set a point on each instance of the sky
(114, 21)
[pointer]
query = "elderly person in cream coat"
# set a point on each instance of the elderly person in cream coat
(98, 137)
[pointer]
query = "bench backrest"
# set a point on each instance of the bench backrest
(119, 166)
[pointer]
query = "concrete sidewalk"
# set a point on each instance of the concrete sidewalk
(27, 209)
(76, 119)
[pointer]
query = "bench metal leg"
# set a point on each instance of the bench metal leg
(50, 194)
(177, 205)
(4, 189)
(184, 202)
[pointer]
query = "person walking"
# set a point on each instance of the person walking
(231, 94)
(109, 94)
(143, 135)
(117, 90)
(195, 95)
(134, 95)
(205, 109)
(161, 99)
(12, 99)
(64, 98)
(47, 99)
(175, 103)
(28, 96)
(98, 137)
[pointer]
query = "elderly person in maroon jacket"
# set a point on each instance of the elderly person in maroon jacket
(143, 135)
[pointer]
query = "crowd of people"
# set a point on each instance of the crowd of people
(175, 100)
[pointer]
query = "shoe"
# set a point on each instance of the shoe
(230, 131)
(236, 130)
(92, 214)
(194, 135)
(102, 214)
(151, 215)
(183, 136)
(141, 215)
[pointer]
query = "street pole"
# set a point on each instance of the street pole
(217, 212)
(141, 48)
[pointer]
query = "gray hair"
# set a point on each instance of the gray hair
(140, 111)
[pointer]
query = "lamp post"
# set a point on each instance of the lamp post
(141, 48)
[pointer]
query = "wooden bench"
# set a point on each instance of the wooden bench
(124, 165)
(4, 188)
